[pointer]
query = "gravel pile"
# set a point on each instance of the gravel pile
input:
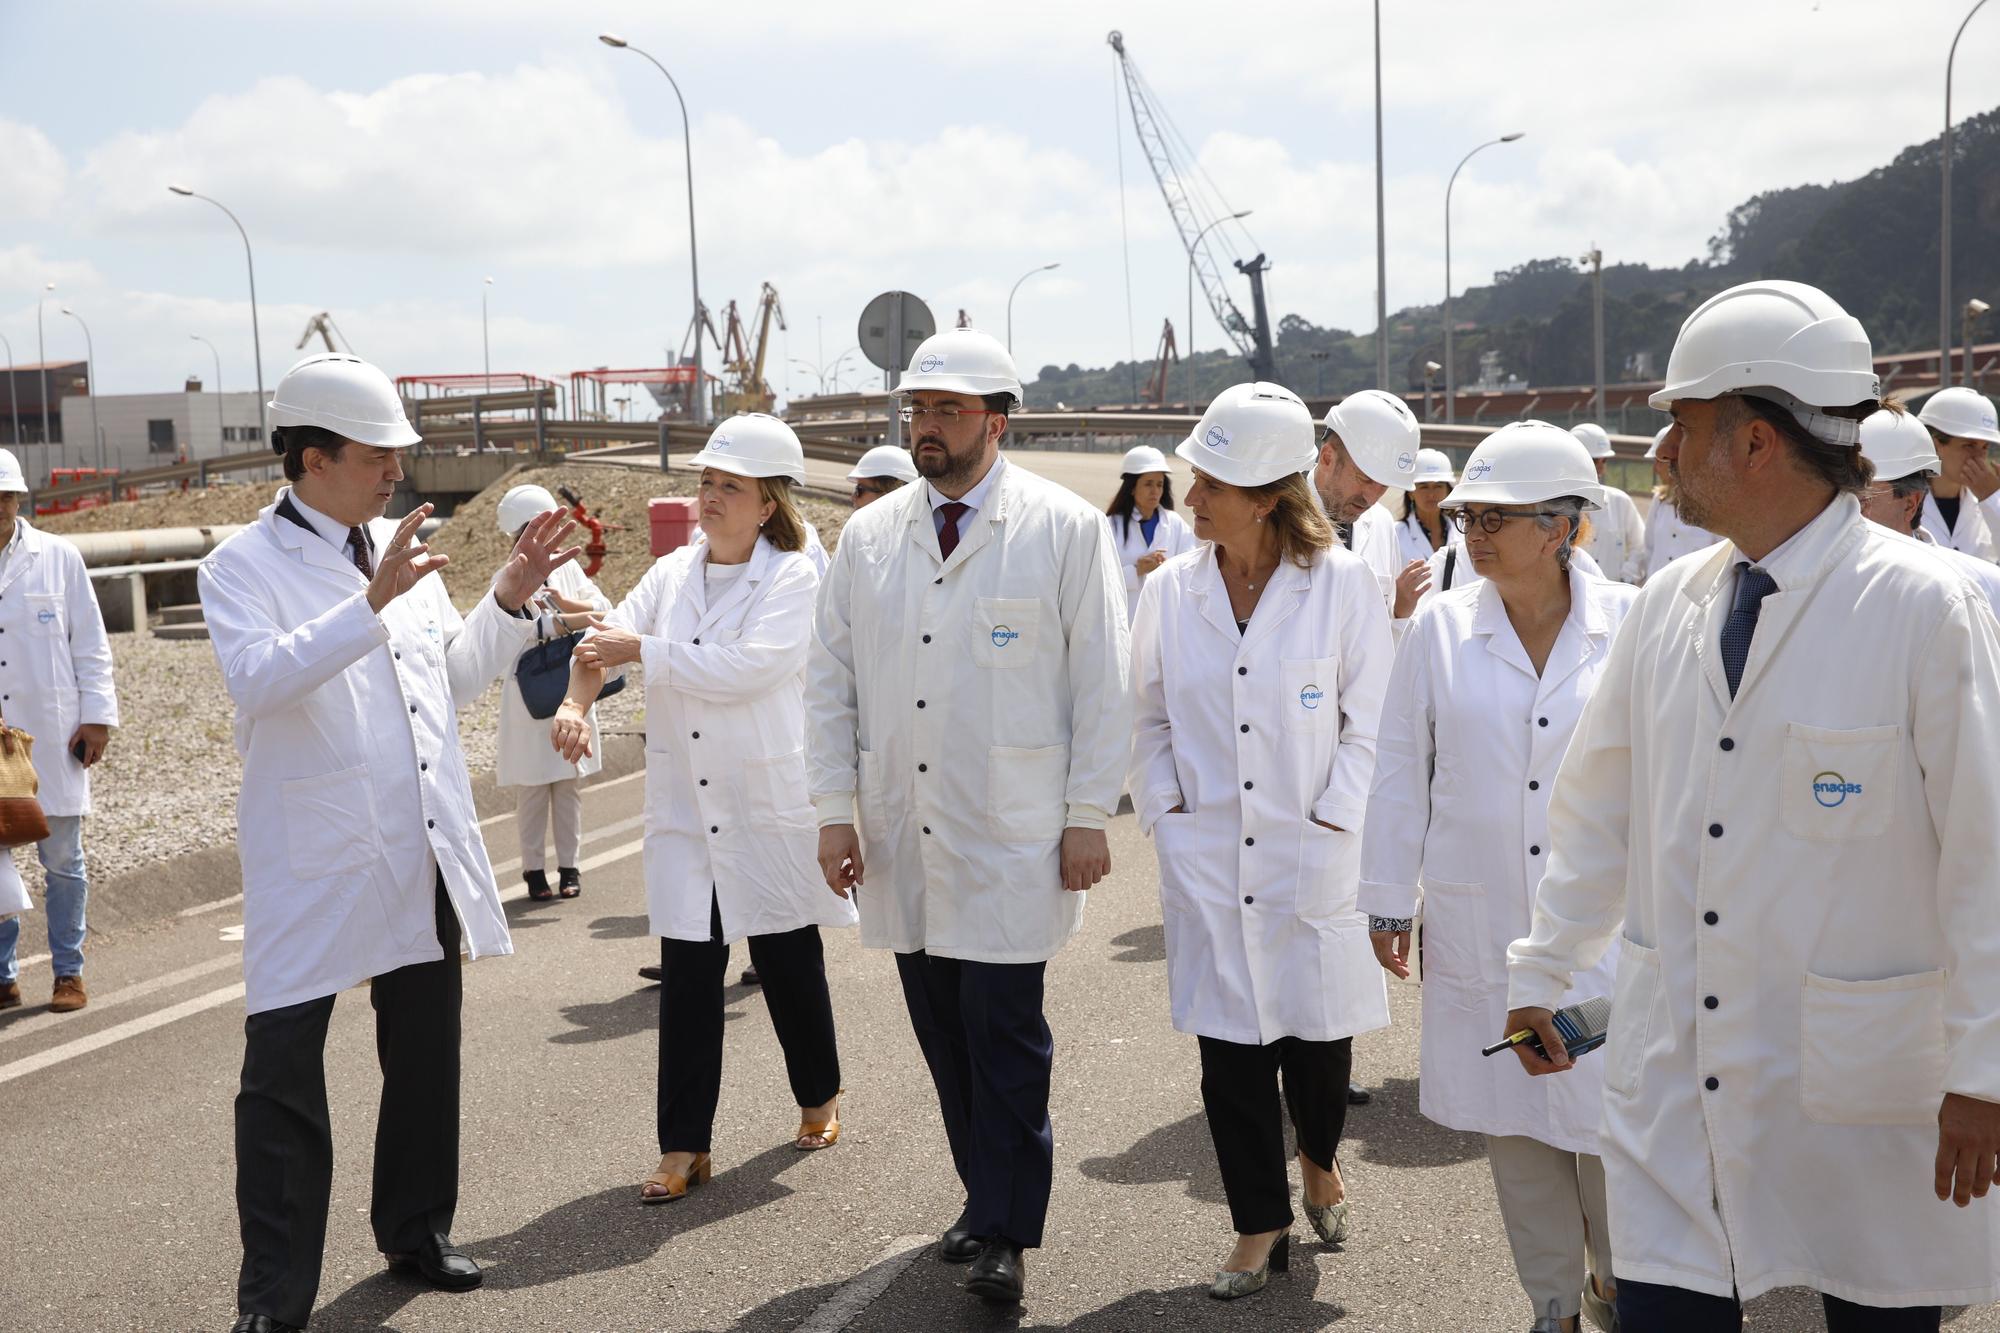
(178, 509)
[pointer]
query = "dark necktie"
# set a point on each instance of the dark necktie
(358, 537)
(1753, 585)
(948, 534)
(1346, 531)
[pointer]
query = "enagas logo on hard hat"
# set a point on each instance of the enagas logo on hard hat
(1479, 470)
(719, 444)
(1310, 696)
(1002, 636)
(1831, 790)
(1406, 461)
(931, 363)
(1216, 438)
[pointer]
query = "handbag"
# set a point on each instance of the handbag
(22, 820)
(543, 674)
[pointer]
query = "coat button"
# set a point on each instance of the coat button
(413, 708)
(1534, 786)
(927, 638)
(1244, 727)
(695, 735)
(1248, 785)
(430, 823)
(1249, 842)
(697, 638)
(1712, 1083)
(927, 828)
(1710, 1001)
(1249, 898)
(937, 580)
(1541, 722)
(1728, 744)
(715, 828)
(920, 703)
(1715, 830)
(399, 657)
(701, 782)
(923, 768)
(424, 767)
(1242, 671)
(1709, 918)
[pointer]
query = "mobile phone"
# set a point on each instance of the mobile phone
(77, 749)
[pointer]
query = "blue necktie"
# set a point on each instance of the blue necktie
(1753, 585)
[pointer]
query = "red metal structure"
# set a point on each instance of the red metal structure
(670, 383)
(468, 386)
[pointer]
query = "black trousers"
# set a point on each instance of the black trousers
(1644, 1307)
(990, 1053)
(792, 968)
(284, 1140)
(1239, 1091)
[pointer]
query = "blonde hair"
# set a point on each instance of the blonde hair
(1301, 527)
(786, 527)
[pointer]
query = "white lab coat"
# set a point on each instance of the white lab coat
(355, 795)
(1465, 765)
(1816, 856)
(13, 893)
(1463, 575)
(1171, 536)
(1976, 520)
(55, 662)
(978, 706)
(815, 548)
(1983, 575)
(1380, 546)
(1413, 543)
(525, 757)
(725, 746)
(1668, 538)
(1263, 938)
(1618, 539)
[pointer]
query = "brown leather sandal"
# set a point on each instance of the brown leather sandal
(828, 1130)
(673, 1186)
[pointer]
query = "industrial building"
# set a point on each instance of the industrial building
(149, 430)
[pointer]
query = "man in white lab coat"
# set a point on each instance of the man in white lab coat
(56, 685)
(1368, 446)
(360, 847)
(1668, 535)
(1963, 508)
(1617, 532)
(1785, 786)
(1900, 449)
(967, 704)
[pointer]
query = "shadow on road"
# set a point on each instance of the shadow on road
(1390, 1131)
(1147, 944)
(620, 927)
(1181, 1151)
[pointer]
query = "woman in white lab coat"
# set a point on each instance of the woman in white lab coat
(1489, 683)
(548, 787)
(1259, 663)
(718, 631)
(1423, 529)
(1143, 519)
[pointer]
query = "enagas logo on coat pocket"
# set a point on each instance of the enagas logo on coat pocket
(1002, 636)
(1310, 696)
(1832, 790)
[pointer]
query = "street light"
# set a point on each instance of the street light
(220, 444)
(485, 343)
(1043, 268)
(1381, 236)
(1187, 359)
(612, 39)
(1431, 368)
(1450, 371)
(1944, 214)
(1595, 258)
(13, 408)
(1319, 372)
(256, 337)
(1973, 310)
(90, 379)
(42, 355)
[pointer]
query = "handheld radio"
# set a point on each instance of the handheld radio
(1581, 1026)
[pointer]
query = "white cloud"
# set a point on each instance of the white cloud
(32, 173)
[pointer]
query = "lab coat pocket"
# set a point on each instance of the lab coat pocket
(1459, 959)
(1027, 792)
(45, 616)
(330, 823)
(775, 789)
(1839, 784)
(1310, 701)
(1004, 630)
(1872, 1052)
(1329, 873)
(1631, 1031)
(874, 803)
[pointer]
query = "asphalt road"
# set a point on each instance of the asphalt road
(118, 1200)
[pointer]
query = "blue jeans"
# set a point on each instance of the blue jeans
(1646, 1308)
(61, 855)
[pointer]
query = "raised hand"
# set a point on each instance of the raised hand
(537, 553)
(403, 561)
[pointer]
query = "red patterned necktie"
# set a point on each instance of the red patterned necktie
(358, 538)
(948, 534)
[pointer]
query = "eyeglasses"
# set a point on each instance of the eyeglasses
(949, 413)
(1490, 521)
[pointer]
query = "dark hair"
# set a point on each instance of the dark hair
(880, 485)
(1839, 466)
(293, 441)
(1122, 504)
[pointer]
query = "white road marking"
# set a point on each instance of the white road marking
(33, 960)
(615, 854)
(110, 1036)
(26, 1027)
(866, 1287)
(198, 909)
(588, 788)
(610, 830)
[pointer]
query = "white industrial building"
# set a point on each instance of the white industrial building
(148, 430)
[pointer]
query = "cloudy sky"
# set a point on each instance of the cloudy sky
(386, 157)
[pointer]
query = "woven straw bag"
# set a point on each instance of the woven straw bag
(21, 817)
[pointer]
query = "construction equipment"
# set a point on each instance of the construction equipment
(1156, 384)
(744, 389)
(1198, 210)
(323, 325)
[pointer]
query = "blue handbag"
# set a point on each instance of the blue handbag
(543, 674)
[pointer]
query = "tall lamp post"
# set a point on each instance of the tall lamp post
(42, 355)
(1039, 268)
(1381, 236)
(221, 444)
(13, 407)
(612, 39)
(485, 342)
(1595, 258)
(90, 379)
(1974, 308)
(1450, 370)
(1187, 357)
(1944, 214)
(256, 337)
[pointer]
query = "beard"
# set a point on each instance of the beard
(947, 468)
(1687, 496)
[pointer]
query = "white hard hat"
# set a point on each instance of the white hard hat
(961, 361)
(1784, 341)
(1381, 435)
(1659, 438)
(340, 392)
(1524, 462)
(523, 505)
(1898, 445)
(753, 444)
(11, 478)
(1595, 442)
(1433, 465)
(1252, 435)
(885, 460)
(1961, 413)
(1141, 460)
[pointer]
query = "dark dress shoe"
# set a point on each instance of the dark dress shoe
(439, 1263)
(1358, 1095)
(652, 972)
(960, 1244)
(998, 1272)
(750, 977)
(261, 1323)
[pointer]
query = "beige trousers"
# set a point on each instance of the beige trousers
(1553, 1204)
(532, 808)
